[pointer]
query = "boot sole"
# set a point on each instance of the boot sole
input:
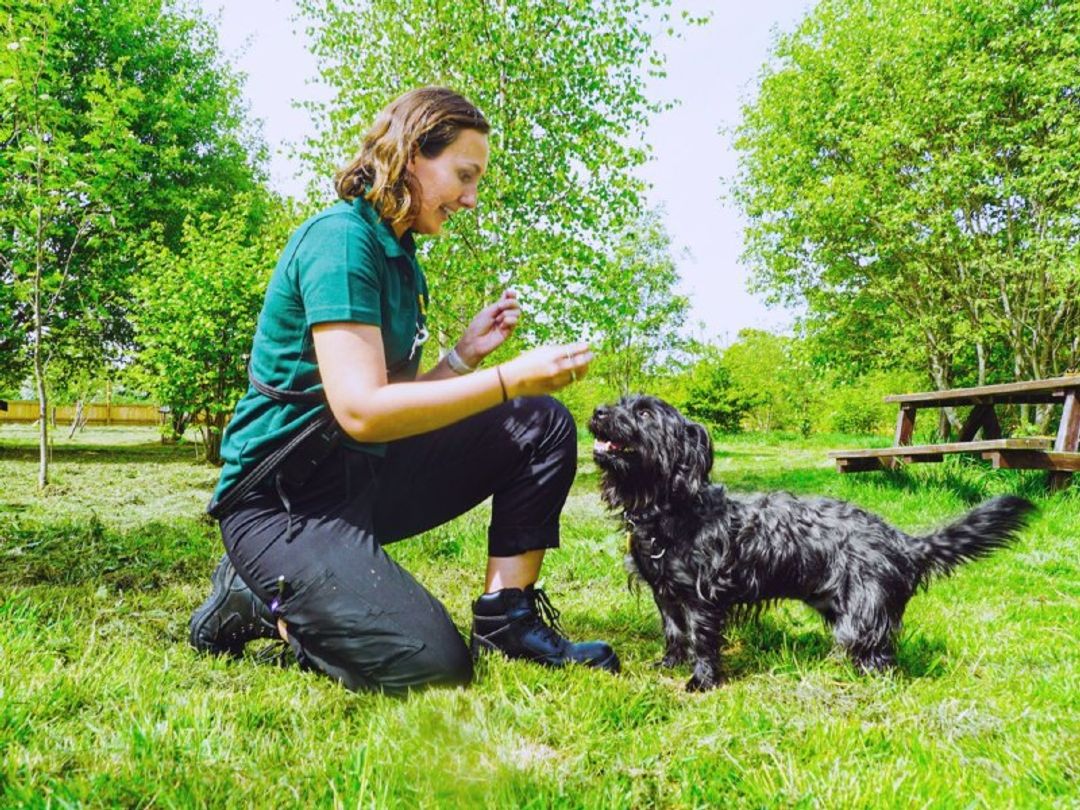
(479, 645)
(610, 664)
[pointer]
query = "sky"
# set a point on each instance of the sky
(712, 71)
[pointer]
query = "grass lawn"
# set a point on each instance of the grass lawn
(103, 704)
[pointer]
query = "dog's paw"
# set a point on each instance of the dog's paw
(879, 664)
(670, 661)
(703, 683)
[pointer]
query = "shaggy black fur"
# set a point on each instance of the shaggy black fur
(708, 555)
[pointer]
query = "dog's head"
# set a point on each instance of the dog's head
(649, 454)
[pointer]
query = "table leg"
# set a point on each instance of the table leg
(1068, 438)
(981, 416)
(905, 426)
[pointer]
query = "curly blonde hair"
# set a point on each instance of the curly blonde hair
(425, 120)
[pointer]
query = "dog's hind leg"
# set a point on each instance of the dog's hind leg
(870, 642)
(866, 627)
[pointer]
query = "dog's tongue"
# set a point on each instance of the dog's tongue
(601, 446)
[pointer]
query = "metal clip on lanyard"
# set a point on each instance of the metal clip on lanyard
(419, 339)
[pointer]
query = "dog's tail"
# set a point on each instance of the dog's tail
(985, 528)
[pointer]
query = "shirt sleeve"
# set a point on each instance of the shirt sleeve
(338, 271)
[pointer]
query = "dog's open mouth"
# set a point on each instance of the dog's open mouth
(602, 446)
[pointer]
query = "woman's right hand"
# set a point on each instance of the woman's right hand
(546, 369)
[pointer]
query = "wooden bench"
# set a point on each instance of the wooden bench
(1060, 456)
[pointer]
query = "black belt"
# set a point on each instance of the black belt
(294, 462)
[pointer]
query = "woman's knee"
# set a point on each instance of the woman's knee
(392, 662)
(553, 422)
(439, 659)
(556, 412)
(440, 665)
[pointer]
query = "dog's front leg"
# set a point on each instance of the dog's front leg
(676, 637)
(706, 625)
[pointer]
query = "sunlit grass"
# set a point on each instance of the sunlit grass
(102, 703)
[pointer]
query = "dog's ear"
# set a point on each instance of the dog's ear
(695, 463)
(706, 448)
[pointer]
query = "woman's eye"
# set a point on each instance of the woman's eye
(465, 177)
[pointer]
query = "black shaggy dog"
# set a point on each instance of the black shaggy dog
(708, 555)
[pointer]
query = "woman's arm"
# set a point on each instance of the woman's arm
(487, 331)
(368, 408)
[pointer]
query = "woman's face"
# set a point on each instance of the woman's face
(448, 182)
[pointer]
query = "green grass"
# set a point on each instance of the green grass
(102, 704)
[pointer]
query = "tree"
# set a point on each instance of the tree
(709, 395)
(562, 84)
(12, 361)
(771, 378)
(197, 309)
(55, 189)
(917, 159)
(638, 315)
(114, 116)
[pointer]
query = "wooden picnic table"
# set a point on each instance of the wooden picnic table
(1061, 456)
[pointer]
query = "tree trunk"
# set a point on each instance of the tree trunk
(43, 418)
(39, 369)
(213, 427)
(77, 420)
(1042, 417)
(941, 374)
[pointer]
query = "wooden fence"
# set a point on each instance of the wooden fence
(95, 413)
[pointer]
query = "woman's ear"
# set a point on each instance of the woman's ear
(410, 164)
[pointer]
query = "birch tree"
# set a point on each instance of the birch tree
(562, 83)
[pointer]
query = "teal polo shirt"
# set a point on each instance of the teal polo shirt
(343, 264)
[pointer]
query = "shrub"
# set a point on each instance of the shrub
(859, 406)
(712, 398)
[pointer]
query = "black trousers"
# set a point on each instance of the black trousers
(351, 611)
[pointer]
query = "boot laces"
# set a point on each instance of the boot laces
(547, 612)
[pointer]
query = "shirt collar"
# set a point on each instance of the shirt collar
(384, 232)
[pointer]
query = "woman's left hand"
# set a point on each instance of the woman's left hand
(489, 329)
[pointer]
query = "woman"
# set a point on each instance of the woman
(341, 333)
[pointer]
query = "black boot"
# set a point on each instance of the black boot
(523, 624)
(231, 616)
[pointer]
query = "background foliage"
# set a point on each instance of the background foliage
(562, 84)
(197, 309)
(115, 117)
(909, 170)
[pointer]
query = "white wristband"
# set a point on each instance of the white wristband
(457, 365)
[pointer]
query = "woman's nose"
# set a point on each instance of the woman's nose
(468, 199)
